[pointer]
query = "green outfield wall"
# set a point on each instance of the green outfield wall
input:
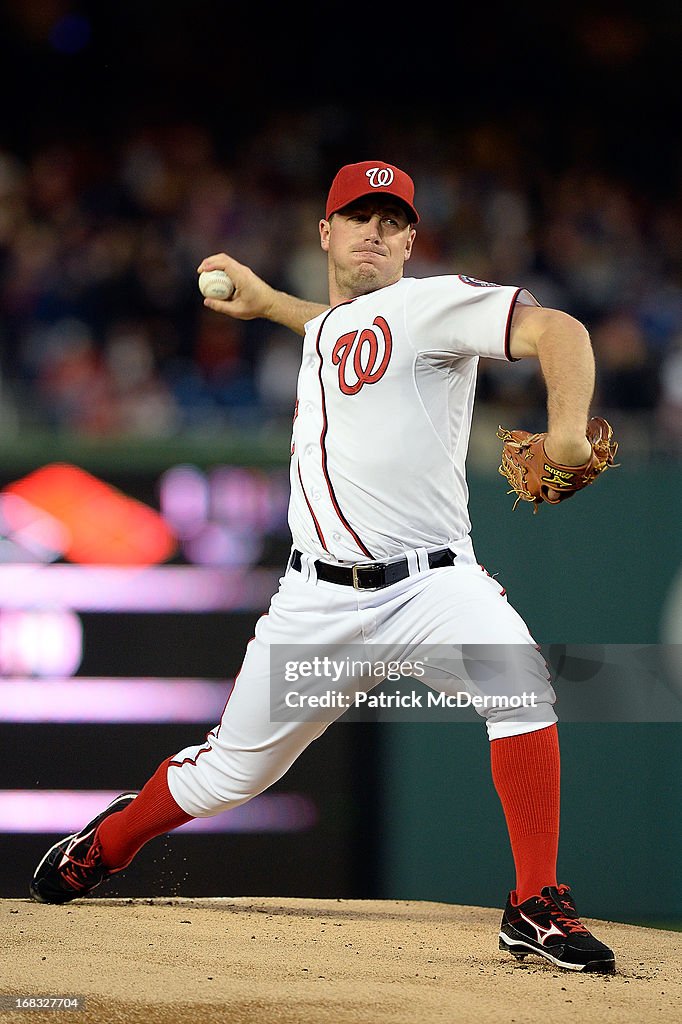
(603, 568)
(444, 836)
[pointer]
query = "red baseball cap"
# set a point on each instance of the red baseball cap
(356, 180)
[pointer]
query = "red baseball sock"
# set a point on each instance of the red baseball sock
(151, 813)
(526, 774)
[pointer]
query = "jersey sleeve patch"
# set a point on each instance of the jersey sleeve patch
(475, 283)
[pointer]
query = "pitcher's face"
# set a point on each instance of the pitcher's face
(367, 243)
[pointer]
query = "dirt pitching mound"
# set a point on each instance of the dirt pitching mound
(298, 961)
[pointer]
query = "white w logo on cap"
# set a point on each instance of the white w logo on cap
(380, 177)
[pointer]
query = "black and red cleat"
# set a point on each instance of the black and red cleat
(549, 925)
(73, 866)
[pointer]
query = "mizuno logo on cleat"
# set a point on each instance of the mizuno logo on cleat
(543, 933)
(66, 856)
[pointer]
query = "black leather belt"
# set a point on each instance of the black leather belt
(371, 575)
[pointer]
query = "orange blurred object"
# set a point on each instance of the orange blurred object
(104, 525)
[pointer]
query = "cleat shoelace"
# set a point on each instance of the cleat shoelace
(569, 920)
(78, 874)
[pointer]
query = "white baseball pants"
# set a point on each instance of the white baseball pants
(458, 605)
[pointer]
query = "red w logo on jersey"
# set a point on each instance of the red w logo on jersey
(371, 352)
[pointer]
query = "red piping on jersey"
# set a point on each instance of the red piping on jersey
(365, 550)
(318, 529)
(507, 333)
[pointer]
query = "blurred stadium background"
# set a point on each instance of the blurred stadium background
(136, 139)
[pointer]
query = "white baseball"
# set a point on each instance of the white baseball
(215, 284)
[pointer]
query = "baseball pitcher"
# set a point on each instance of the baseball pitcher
(381, 550)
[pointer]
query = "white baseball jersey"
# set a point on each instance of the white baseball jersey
(383, 415)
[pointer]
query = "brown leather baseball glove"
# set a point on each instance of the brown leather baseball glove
(535, 477)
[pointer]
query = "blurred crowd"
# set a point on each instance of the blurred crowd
(103, 331)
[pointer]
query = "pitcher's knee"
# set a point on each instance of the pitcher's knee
(204, 789)
(509, 721)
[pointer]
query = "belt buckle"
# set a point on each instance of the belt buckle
(372, 567)
(354, 572)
